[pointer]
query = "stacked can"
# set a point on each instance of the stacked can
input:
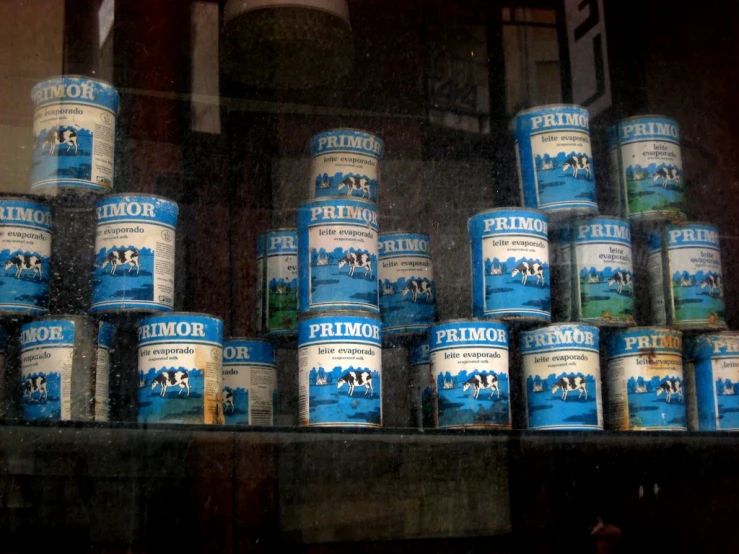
(277, 283)
(339, 340)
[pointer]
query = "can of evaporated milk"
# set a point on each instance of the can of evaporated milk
(259, 305)
(469, 371)
(645, 380)
(337, 255)
(510, 265)
(106, 336)
(25, 251)
(180, 356)
(422, 401)
(686, 281)
(346, 162)
(714, 361)
(561, 378)
(407, 286)
(555, 163)
(595, 270)
(340, 369)
(74, 126)
(58, 366)
(281, 279)
(249, 382)
(134, 254)
(646, 165)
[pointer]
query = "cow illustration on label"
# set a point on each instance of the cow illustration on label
(355, 379)
(24, 262)
(228, 401)
(482, 382)
(59, 137)
(35, 389)
(281, 277)
(339, 403)
(168, 379)
(114, 258)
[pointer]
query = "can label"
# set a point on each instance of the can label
(134, 254)
(555, 159)
(510, 264)
(561, 370)
(180, 369)
(282, 282)
(605, 271)
(422, 399)
(259, 307)
(346, 162)
(340, 371)
(249, 383)
(337, 251)
(645, 380)
(106, 335)
(696, 278)
(25, 252)
(74, 127)
(717, 382)
(469, 369)
(47, 352)
(407, 286)
(645, 160)
(656, 279)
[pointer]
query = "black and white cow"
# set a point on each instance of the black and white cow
(666, 174)
(576, 164)
(355, 260)
(59, 137)
(171, 378)
(480, 382)
(418, 287)
(36, 385)
(621, 279)
(228, 400)
(713, 282)
(355, 183)
(527, 270)
(670, 388)
(568, 384)
(22, 263)
(122, 257)
(357, 379)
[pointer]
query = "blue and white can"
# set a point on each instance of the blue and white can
(603, 272)
(281, 279)
(713, 361)
(26, 231)
(340, 369)
(686, 278)
(259, 305)
(561, 378)
(407, 286)
(106, 336)
(555, 162)
(58, 365)
(510, 265)
(422, 392)
(249, 382)
(337, 255)
(645, 380)
(180, 356)
(74, 126)
(346, 162)
(646, 165)
(469, 371)
(134, 254)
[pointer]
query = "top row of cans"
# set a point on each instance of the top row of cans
(74, 149)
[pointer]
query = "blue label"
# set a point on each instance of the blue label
(25, 255)
(638, 341)
(345, 140)
(555, 160)
(186, 328)
(106, 335)
(654, 242)
(643, 128)
(282, 282)
(407, 286)
(468, 333)
(717, 381)
(134, 254)
(282, 242)
(337, 256)
(48, 332)
(561, 369)
(510, 264)
(260, 244)
(248, 352)
(692, 235)
(77, 90)
(418, 353)
(249, 382)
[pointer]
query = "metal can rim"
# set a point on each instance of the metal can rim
(338, 313)
(509, 209)
(279, 229)
(549, 106)
(635, 117)
(339, 197)
(618, 218)
(245, 339)
(180, 314)
(689, 222)
(561, 324)
(78, 76)
(50, 317)
(29, 197)
(467, 320)
(144, 194)
(402, 232)
(643, 328)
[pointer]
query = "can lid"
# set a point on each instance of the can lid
(643, 116)
(468, 320)
(78, 76)
(279, 229)
(234, 8)
(246, 339)
(338, 313)
(144, 194)
(182, 314)
(562, 324)
(403, 232)
(510, 209)
(662, 328)
(547, 107)
(28, 197)
(335, 198)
